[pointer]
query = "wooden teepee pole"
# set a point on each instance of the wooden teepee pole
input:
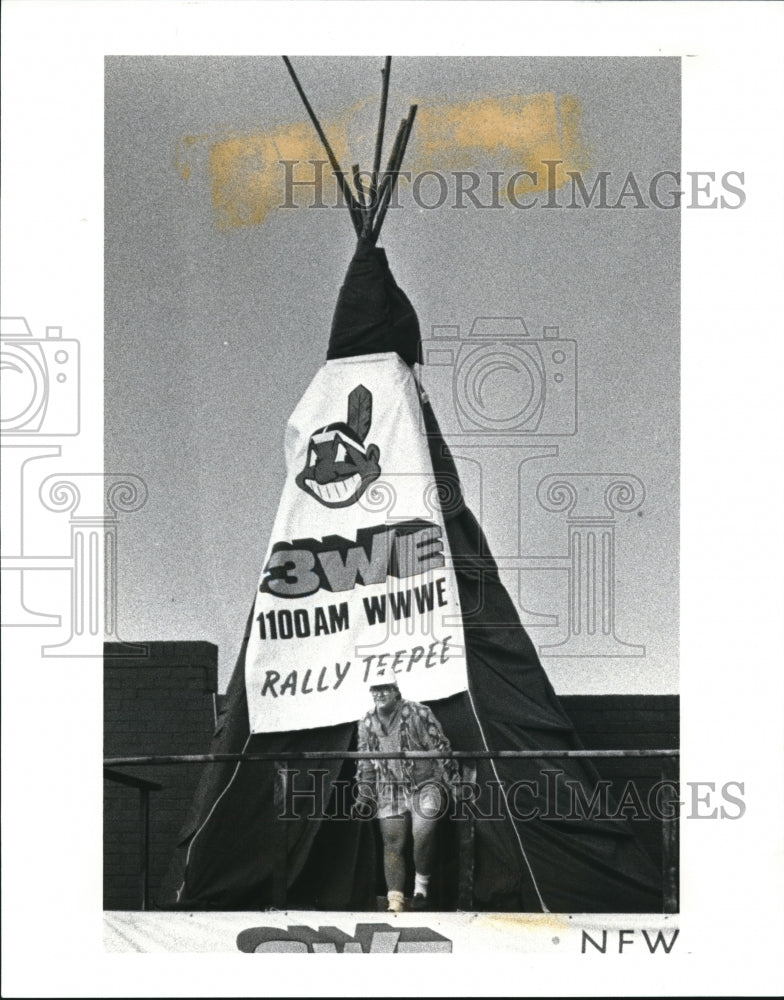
(382, 117)
(391, 177)
(354, 209)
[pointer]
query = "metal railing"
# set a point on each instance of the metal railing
(302, 755)
(670, 838)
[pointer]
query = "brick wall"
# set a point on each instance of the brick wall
(160, 703)
(630, 722)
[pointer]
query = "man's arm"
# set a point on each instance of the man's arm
(365, 769)
(366, 791)
(433, 737)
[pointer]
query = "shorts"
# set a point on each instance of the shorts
(429, 800)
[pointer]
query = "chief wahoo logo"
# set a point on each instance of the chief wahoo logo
(339, 466)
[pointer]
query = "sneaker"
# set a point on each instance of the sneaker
(419, 902)
(395, 904)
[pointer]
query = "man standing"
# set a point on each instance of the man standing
(401, 788)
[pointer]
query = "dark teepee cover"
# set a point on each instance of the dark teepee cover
(373, 315)
(232, 842)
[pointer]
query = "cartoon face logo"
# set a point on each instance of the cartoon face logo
(339, 466)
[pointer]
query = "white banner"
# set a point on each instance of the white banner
(357, 580)
(559, 935)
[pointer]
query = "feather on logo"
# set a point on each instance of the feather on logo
(339, 466)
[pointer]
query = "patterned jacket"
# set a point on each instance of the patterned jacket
(412, 727)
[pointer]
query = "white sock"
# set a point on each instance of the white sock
(395, 901)
(421, 883)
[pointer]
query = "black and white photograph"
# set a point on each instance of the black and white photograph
(380, 476)
(476, 497)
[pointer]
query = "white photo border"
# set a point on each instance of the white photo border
(732, 556)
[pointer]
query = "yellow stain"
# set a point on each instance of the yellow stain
(181, 154)
(508, 134)
(246, 175)
(575, 150)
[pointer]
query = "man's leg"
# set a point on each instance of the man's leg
(426, 811)
(393, 835)
(424, 831)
